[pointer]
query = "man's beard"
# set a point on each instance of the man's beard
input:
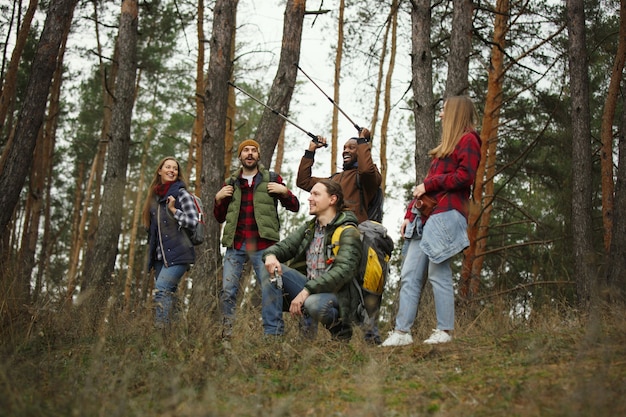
(246, 163)
(349, 165)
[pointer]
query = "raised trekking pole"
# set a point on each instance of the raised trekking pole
(329, 99)
(276, 112)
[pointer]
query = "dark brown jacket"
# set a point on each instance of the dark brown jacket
(368, 176)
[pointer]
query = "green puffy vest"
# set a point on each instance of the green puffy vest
(265, 213)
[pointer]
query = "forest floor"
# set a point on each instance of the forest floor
(553, 364)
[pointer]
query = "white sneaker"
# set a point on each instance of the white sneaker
(438, 336)
(398, 339)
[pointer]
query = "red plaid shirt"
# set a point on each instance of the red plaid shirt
(450, 179)
(247, 230)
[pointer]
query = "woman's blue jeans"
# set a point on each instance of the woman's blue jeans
(271, 297)
(414, 267)
(166, 283)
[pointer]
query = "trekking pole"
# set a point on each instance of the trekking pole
(276, 112)
(330, 99)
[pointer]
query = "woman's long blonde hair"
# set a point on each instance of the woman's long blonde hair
(156, 180)
(459, 117)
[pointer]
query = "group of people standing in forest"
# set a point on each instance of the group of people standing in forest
(296, 273)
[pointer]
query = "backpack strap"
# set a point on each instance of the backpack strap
(364, 206)
(333, 248)
(198, 208)
(367, 206)
(195, 199)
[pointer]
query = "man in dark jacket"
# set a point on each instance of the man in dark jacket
(247, 205)
(319, 285)
(360, 178)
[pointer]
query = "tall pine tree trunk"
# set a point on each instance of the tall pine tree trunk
(393, 22)
(334, 142)
(581, 153)
(100, 262)
(19, 155)
(195, 147)
(280, 151)
(616, 270)
(379, 77)
(9, 84)
(482, 202)
(422, 73)
(460, 48)
(132, 271)
(38, 178)
(608, 117)
(206, 270)
(231, 115)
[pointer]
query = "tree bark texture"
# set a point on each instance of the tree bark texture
(76, 244)
(616, 262)
(9, 85)
(280, 94)
(581, 152)
(100, 261)
(379, 78)
(280, 152)
(422, 80)
(38, 177)
(334, 142)
(208, 258)
(606, 132)
(131, 271)
(384, 127)
(231, 116)
(195, 146)
(483, 195)
(20, 154)
(460, 49)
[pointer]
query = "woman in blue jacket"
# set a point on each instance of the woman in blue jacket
(169, 209)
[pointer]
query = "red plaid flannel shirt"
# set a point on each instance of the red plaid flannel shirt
(450, 179)
(247, 230)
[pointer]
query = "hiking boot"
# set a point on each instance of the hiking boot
(438, 336)
(308, 328)
(398, 339)
(373, 340)
(341, 332)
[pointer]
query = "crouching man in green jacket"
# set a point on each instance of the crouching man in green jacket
(318, 284)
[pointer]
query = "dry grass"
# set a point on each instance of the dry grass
(556, 364)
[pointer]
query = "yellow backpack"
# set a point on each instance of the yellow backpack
(377, 247)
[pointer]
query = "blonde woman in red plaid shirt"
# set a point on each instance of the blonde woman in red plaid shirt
(435, 238)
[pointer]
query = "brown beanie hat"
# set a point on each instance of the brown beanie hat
(248, 142)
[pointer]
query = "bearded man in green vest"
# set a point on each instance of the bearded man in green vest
(247, 204)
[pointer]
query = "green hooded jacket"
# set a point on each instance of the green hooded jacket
(339, 278)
